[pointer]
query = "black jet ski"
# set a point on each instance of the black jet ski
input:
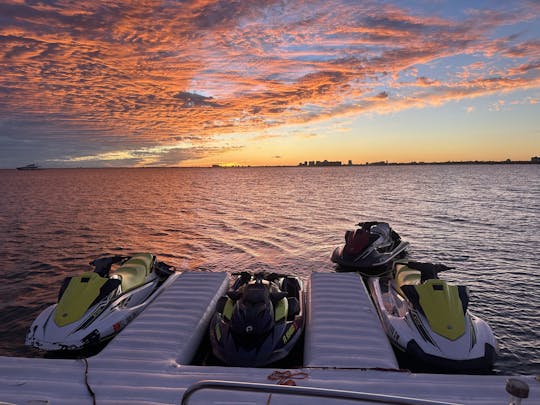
(94, 306)
(259, 321)
(371, 247)
(428, 319)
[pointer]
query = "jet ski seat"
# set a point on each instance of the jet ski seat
(406, 276)
(134, 271)
(356, 241)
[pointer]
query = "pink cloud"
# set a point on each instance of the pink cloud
(153, 71)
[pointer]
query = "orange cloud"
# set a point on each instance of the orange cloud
(114, 75)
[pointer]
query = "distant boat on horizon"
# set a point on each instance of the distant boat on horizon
(31, 166)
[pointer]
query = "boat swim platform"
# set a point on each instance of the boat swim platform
(149, 361)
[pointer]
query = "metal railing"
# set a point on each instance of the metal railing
(366, 397)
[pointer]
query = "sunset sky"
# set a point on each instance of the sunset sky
(196, 83)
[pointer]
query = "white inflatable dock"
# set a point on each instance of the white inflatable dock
(347, 359)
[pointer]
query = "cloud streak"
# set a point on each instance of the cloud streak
(127, 76)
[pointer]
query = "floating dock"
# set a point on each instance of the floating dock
(342, 329)
(345, 352)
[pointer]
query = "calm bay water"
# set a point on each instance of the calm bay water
(482, 219)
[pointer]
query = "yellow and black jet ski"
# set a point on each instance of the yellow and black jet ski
(94, 306)
(259, 321)
(428, 318)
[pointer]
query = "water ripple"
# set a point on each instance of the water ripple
(482, 220)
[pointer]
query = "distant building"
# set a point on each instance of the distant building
(350, 162)
(535, 159)
(327, 163)
(317, 163)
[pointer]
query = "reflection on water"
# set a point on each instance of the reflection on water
(483, 220)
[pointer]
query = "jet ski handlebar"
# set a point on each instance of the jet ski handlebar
(428, 270)
(274, 296)
(246, 276)
(103, 264)
(438, 267)
(367, 225)
(164, 269)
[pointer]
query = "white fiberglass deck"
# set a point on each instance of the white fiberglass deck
(343, 326)
(148, 363)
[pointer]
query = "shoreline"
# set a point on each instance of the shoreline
(367, 164)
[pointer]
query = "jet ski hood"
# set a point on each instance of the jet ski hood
(79, 293)
(442, 306)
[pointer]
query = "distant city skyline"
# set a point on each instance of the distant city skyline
(202, 83)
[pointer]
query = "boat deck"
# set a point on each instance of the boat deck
(149, 361)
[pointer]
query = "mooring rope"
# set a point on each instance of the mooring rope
(287, 377)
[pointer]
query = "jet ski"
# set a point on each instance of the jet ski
(373, 246)
(94, 306)
(259, 321)
(428, 319)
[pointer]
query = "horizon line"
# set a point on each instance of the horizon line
(533, 160)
